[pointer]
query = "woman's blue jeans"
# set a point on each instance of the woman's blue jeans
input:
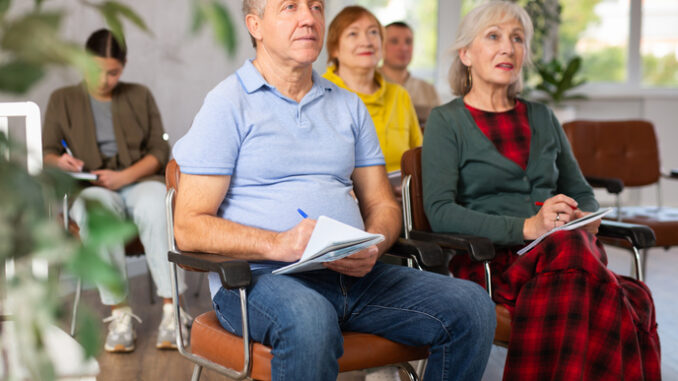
(301, 317)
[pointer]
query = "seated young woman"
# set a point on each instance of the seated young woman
(113, 129)
(488, 157)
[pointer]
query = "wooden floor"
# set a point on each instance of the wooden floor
(149, 363)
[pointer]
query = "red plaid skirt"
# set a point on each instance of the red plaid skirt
(572, 318)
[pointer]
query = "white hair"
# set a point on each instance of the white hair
(476, 21)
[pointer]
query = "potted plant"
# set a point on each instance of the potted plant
(557, 82)
(30, 42)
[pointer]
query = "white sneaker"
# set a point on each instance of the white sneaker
(167, 328)
(121, 334)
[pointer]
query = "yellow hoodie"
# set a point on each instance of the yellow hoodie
(393, 116)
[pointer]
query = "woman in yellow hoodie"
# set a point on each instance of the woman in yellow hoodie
(354, 45)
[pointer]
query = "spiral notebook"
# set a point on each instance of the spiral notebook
(330, 240)
(574, 224)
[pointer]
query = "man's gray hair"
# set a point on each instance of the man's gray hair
(253, 6)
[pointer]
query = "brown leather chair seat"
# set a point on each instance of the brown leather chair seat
(213, 342)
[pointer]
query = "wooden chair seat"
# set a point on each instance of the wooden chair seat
(211, 341)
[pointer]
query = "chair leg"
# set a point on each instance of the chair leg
(76, 301)
(643, 268)
(421, 367)
(151, 286)
(199, 285)
(197, 369)
(409, 371)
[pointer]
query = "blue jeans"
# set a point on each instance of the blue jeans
(301, 317)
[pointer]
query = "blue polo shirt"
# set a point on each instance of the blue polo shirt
(281, 154)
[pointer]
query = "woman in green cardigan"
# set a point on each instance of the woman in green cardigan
(113, 129)
(489, 158)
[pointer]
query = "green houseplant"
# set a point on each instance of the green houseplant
(31, 43)
(558, 80)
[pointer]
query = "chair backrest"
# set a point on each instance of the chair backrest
(31, 112)
(623, 149)
(413, 195)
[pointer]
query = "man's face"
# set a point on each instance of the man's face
(290, 31)
(398, 47)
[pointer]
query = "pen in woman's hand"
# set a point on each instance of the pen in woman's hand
(68, 150)
(302, 213)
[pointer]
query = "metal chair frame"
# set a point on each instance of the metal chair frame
(418, 255)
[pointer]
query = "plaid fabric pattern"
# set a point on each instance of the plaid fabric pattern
(509, 131)
(572, 318)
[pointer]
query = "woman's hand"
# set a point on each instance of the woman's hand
(67, 162)
(591, 227)
(556, 211)
(109, 179)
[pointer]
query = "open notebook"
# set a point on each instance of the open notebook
(88, 176)
(574, 224)
(330, 240)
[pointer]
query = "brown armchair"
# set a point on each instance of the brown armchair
(481, 249)
(213, 347)
(623, 153)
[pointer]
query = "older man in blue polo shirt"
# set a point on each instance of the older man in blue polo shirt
(274, 137)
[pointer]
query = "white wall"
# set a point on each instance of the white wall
(178, 68)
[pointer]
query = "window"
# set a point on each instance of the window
(659, 43)
(622, 41)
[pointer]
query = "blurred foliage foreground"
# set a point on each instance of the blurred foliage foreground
(29, 233)
(30, 43)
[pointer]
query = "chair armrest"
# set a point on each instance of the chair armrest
(673, 174)
(478, 248)
(428, 254)
(611, 184)
(640, 236)
(233, 273)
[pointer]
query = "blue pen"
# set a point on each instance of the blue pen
(302, 213)
(68, 150)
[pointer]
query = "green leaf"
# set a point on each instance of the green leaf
(89, 328)
(222, 26)
(127, 12)
(34, 38)
(104, 227)
(115, 25)
(198, 19)
(88, 265)
(18, 76)
(4, 6)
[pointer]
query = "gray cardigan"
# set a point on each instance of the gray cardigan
(470, 188)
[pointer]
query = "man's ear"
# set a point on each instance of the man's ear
(464, 56)
(253, 23)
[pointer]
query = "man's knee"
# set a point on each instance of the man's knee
(473, 308)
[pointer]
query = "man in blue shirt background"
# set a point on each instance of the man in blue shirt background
(274, 137)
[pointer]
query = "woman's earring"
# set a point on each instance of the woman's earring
(469, 79)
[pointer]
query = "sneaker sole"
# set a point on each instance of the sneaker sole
(166, 345)
(118, 349)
